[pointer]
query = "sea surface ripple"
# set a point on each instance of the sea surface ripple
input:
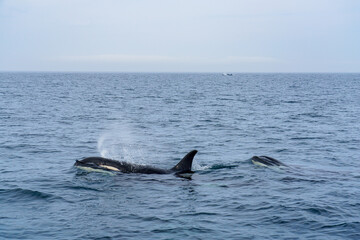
(308, 121)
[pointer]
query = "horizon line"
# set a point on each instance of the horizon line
(175, 72)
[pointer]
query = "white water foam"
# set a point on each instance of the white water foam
(197, 167)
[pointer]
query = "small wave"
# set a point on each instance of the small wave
(318, 211)
(203, 214)
(176, 230)
(336, 225)
(155, 219)
(83, 188)
(301, 179)
(20, 194)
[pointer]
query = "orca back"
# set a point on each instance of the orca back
(184, 166)
(266, 161)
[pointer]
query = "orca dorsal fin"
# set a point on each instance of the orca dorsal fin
(185, 164)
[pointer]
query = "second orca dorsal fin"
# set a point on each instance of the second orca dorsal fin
(185, 164)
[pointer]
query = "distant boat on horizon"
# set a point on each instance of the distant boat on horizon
(227, 74)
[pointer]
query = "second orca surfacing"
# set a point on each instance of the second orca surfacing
(183, 167)
(266, 161)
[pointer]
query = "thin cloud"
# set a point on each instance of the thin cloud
(120, 58)
(252, 59)
(115, 58)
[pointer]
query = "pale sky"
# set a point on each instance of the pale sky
(180, 35)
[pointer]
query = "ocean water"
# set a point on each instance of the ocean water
(310, 122)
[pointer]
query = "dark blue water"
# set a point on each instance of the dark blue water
(308, 121)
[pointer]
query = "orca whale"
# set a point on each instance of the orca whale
(266, 161)
(183, 167)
